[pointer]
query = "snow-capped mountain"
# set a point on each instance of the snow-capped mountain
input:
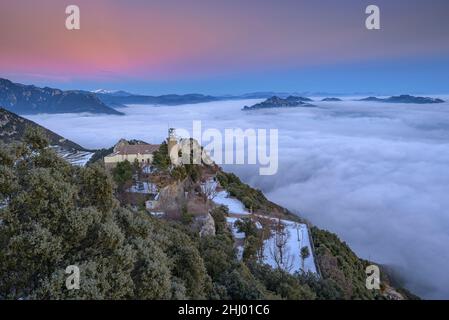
(114, 93)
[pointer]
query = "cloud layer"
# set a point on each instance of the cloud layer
(375, 174)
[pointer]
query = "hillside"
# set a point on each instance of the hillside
(29, 99)
(202, 196)
(13, 129)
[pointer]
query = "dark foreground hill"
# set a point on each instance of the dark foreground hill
(12, 128)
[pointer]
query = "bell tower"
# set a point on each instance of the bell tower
(172, 142)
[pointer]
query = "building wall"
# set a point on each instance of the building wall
(172, 143)
(142, 158)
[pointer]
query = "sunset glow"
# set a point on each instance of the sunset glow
(202, 45)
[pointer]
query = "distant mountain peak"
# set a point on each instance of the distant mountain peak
(277, 102)
(331, 100)
(103, 91)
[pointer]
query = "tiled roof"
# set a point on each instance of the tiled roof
(137, 149)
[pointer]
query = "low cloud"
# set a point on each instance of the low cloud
(375, 174)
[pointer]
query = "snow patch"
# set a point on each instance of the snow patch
(74, 157)
(235, 231)
(143, 187)
(148, 169)
(235, 206)
(157, 214)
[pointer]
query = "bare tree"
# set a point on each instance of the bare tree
(260, 250)
(209, 190)
(279, 249)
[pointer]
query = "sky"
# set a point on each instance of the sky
(373, 173)
(228, 46)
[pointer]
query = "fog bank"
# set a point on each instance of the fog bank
(376, 174)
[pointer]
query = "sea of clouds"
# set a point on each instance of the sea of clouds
(376, 174)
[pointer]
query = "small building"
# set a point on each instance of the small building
(143, 153)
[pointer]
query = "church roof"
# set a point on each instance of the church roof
(137, 149)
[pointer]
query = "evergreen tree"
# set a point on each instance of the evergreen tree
(161, 158)
(58, 215)
(305, 253)
(123, 174)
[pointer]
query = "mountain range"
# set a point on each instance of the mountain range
(29, 99)
(295, 101)
(117, 98)
(405, 98)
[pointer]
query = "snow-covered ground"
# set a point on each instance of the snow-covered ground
(157, 213)
(79, 158)
(148, 169)
(143, 187)
(222, 197)
(297, 237)
(235, 206)
(235, 232)
(76, 158)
